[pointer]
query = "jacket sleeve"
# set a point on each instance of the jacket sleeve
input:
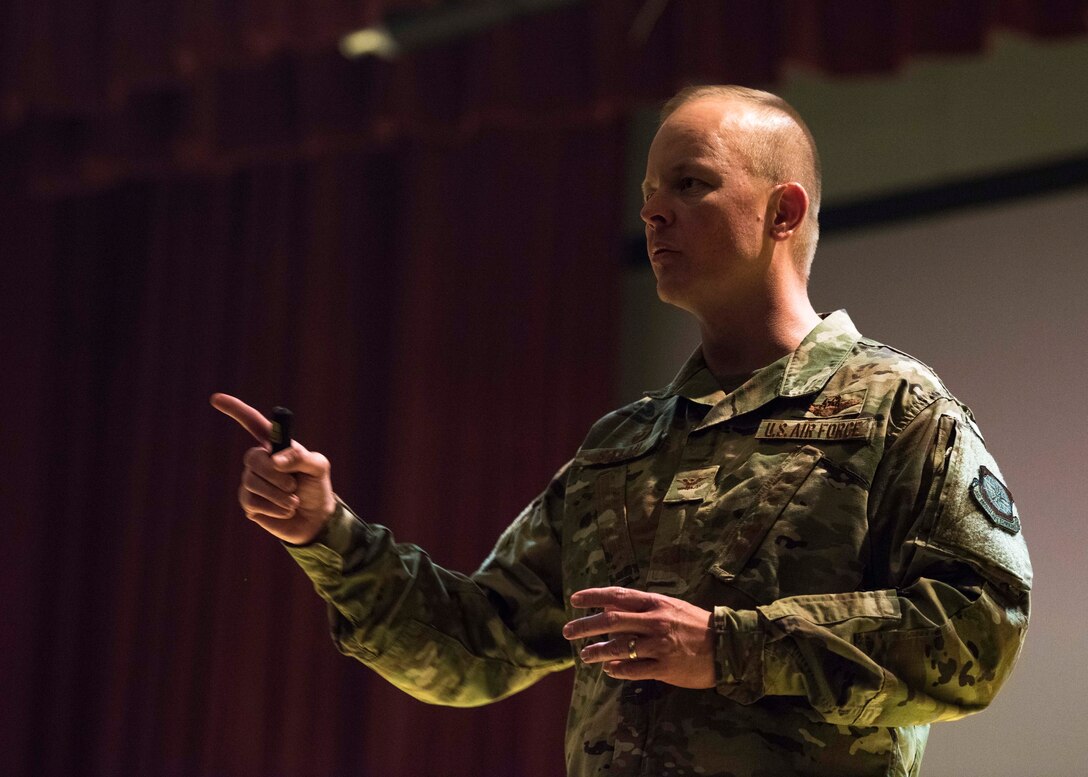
(941, 632)
(444, 637)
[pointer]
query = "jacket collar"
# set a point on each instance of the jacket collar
(804, 371)
(820, 355)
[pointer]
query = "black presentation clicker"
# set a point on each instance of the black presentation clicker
(282, 421)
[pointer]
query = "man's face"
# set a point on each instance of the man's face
(705, 215)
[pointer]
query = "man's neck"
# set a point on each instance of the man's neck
(743, 339)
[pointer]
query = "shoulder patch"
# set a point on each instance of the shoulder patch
(976, 519)
(994, 498)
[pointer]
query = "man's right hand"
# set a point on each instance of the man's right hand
(288, 494)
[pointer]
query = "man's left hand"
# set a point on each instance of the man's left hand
(671, 639)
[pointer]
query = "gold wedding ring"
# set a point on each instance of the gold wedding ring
(632, 653)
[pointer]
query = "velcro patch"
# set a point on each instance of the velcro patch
(692, 486)
(994, 498)
(835, 430)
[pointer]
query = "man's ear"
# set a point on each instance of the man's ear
(789, 204)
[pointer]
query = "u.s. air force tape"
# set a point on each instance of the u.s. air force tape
(851, 429)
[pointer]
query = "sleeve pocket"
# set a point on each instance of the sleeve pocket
(968, 524)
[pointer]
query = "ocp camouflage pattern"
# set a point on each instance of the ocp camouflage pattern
(859, 592)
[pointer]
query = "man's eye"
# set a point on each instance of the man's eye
(687, 182)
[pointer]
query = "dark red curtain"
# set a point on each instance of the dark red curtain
(440, 322)
(420, 258)
(97, 93)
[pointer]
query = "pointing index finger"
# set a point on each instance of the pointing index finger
(251, 419)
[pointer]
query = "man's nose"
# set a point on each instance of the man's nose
(656, 211)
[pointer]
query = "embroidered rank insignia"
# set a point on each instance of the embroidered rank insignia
(832, 430)
(691, 486)
(839, 405)
(995, 500)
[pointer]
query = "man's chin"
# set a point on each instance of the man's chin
(670, 294)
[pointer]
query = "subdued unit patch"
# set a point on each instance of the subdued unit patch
(994, 498)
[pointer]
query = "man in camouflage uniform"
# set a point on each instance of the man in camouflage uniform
(791, 560)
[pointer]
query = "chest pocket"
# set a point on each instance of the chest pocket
(602, 551)
(612, 528)
(743, 537)
(791, 524)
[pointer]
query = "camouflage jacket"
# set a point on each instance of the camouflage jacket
(838, 513)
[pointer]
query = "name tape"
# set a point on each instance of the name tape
(853, 429)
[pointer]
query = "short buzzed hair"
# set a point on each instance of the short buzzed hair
(784, 151)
